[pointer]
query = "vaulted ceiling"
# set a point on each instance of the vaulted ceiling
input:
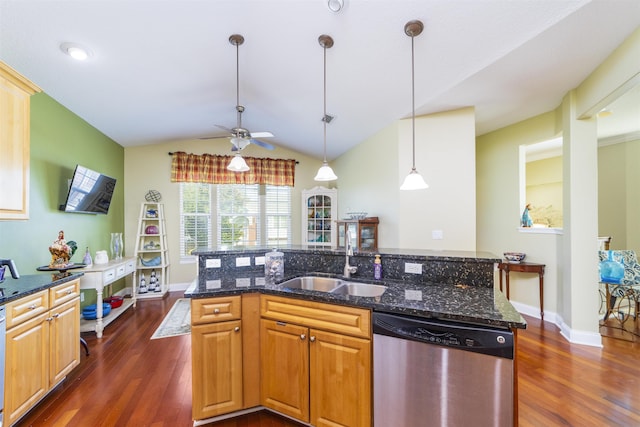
(163, 70)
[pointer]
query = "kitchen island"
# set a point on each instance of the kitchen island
(263, 331)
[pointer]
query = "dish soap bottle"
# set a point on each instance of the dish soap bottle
(377, 268)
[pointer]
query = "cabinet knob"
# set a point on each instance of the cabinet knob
(312, 338)
(55, 316)
(49, 319)
(216, 311)
(69, 291)
(302, 336)
(237, 329)
(32, 307)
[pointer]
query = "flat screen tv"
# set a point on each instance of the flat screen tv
(89, 192)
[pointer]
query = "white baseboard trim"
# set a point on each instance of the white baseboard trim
(179, 286)
(593, 339)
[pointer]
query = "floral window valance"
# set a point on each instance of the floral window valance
(212, 169)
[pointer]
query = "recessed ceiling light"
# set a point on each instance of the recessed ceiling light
(75, 51)
(335, 5)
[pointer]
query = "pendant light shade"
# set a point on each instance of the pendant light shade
(238, 164)
(414, 180)
(325, 173)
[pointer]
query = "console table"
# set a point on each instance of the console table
(524, 267)
(97, 277)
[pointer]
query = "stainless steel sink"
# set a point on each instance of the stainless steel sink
(360, 289)
(334, 286)
(312, 283)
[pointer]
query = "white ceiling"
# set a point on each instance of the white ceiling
(164, 70)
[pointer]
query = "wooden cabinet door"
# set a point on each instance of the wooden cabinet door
(216, 368)
(15, 92)
(284, 350)
(27, 366)
(340, 374)
(64, 339)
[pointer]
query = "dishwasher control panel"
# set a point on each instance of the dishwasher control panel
(490, 341)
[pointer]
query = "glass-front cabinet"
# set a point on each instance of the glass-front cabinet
(319, 214)
(364, 233)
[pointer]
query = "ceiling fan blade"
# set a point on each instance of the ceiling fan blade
(262, 144)
(225, 128)
(261, 135)
(214, 137)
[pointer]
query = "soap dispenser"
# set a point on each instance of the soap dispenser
(377, 268)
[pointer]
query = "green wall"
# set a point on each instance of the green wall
(60, 140)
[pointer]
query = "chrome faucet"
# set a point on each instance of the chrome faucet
(348, 269)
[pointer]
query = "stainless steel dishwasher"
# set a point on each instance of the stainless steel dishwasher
(429, 372)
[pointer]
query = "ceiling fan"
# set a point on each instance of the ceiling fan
(238, 136)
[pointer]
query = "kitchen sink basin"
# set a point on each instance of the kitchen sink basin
(334, 286)
(360, 289)
(312, 283)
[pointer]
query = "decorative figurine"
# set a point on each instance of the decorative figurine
(526, 220)
(143, 285)
(61, 252)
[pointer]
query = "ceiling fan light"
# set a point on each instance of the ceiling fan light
(237, 164)
(414, 181)
(325, 173)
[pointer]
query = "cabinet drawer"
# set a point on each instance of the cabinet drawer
(329, 317)
(108, 276)
(129, 266)
(210, 310)
(64, 292)
(120, 270)
(26, 308)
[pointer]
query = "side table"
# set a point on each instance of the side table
(524, 267)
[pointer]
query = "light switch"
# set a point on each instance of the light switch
(437, 235)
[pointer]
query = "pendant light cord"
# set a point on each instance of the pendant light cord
(413, 107)
(324, 117)
(238, 109)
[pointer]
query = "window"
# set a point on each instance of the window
(195, 217)
(245, 215)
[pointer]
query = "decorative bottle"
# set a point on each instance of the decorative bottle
(377, 268)
(86, 260)
(611, 271)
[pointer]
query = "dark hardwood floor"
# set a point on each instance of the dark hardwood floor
(130, 380)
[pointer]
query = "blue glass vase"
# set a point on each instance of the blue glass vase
(611, 271)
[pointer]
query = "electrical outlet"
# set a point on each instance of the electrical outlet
(437, 235)
(81, 296)
(259, 260)
(413, 268)
(244, 261)
(243, 282)
(212, 263)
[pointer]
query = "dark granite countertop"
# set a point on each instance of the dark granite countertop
(13, 289)
(460, 303)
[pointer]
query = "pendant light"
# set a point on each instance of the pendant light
(325, 173)
(414, 180)
(237, 164)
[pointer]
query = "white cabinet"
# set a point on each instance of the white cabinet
(319, 215)
(151, 252)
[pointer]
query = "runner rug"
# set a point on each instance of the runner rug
(177, 322)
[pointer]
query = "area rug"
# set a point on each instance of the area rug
(177, 321)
